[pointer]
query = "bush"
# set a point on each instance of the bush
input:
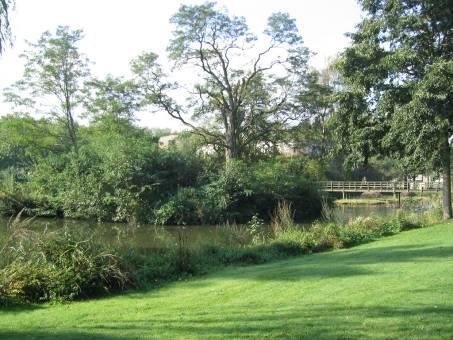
(240, 191)
(288, 248)
(64, 265)
(283, 179)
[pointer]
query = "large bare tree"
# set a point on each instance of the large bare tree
(242, 89)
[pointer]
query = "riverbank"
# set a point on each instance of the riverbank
(71, 264)
(354, 293)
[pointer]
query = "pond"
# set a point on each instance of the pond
(146, 236)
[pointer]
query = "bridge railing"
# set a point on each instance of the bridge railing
(377, 186)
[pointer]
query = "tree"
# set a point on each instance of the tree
(24, 140)
(54, 73)
(316, 104)
(112, 101)
(5, 30)
(245, 88)
(400, 93)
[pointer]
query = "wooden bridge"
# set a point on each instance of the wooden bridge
(377, 186)
(396, 188)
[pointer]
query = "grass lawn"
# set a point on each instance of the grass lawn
(398, 287)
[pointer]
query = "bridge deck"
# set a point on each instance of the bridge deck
(378, 186)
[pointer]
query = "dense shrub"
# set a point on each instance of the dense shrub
(120, 174)
(116, 179)
(42, 266)
(125, 181)
(240, 191)
(284, 179)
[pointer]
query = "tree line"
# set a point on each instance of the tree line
(388, 95)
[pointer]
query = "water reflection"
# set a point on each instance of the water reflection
(347, 212)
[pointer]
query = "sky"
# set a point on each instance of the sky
(116, 31)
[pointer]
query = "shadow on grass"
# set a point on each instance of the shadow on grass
(343, 263)
(42, 334)
(312, 321)
(322, 321)
(19, 308)
(339, 264)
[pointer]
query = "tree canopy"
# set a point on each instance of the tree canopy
(53, 79)
(244, 88)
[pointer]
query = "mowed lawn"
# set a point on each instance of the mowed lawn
(397, 287)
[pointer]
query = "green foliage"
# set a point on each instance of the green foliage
(64, 264)
(397, 96)
(257, 229)
(315, 103)
(53, 81)
(182, 208)
(23, 140)
(112, 102)
(120, 174)
(280, 179)
(240, 191)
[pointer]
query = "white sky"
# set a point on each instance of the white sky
(117, 31)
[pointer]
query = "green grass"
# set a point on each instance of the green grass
(397, 287)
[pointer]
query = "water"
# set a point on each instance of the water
(347, 212)
(148, 236)
(137, 236)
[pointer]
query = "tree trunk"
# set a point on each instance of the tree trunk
(71, 126)
(232, 149)
(446, 179)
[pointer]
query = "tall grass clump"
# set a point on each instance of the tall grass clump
(232, 234)
(329, 213)
(41, 266)
(282, 219)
